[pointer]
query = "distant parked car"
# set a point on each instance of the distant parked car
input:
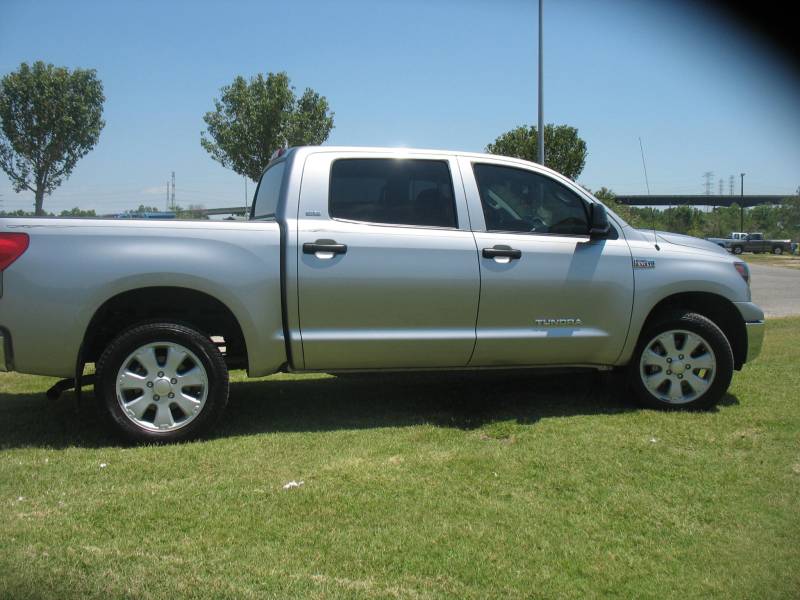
(739, 242)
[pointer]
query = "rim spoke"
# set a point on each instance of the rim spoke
(668, 341)
(691, 343)
(175, 356)
(653, 358)
(139, 406)
(187, 404)
(147, 358)
(655, 381)
(704, 361)
(675, 391)
(131, 381)
(698, 384)
(192, 377)
(163, 417)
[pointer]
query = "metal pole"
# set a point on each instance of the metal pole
(741, 205)
(540, 141)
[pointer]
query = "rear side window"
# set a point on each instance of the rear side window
(394, 191)
(520, 200)
(269, 192)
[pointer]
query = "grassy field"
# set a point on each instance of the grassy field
(504, 485)
(785, 260)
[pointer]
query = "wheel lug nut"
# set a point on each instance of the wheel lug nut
(156, 397)
(161, 373)
(680, 356)
(688, 367)
(149, 384)
(680, 375)
(669, 360)
(669, 372)
(173, 381)
(171, 395)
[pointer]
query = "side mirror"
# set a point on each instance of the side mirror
(598, 222)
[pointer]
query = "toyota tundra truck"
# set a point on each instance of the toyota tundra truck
(370, 259)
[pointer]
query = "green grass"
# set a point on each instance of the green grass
(462, 486)
(784, 260)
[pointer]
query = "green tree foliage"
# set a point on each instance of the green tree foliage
(564, 150)
(49, 119)
(78, 212)
(252, 119)
(775, 222)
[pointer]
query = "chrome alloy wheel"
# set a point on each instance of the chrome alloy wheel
(162, 386)
(677, 366)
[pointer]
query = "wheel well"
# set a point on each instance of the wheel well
(188, 307)
(718, 309)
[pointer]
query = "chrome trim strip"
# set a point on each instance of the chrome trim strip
(755, 339)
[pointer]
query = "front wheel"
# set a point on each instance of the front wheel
(681, 361)
(162, 382)
(737, 249)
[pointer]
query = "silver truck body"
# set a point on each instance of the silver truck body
(402, 297)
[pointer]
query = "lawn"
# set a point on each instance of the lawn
(461, 486)
(784, 260)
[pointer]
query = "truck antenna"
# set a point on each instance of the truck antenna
(647, 183)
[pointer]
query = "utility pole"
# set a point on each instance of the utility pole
(720, 186)
(540, 141)
(741, 205)
(172, 200)
(166, 206)
(730, 185)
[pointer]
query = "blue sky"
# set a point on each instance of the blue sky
(702, 94)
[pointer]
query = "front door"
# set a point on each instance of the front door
(549, 295)
(387, 265)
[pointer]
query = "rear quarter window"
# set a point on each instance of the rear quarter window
(269, 192)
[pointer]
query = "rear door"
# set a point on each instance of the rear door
(387, 265)
(549, 294)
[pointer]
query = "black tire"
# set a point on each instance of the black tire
(777, 250)
(737, 249)
(683, 320)
(120, 349)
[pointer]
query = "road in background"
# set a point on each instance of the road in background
(776, 289)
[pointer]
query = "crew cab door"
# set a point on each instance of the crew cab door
(387, 266)
(549, 294)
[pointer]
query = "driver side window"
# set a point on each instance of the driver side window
(523, 201)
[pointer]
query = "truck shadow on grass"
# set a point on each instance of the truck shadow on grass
(460, 400)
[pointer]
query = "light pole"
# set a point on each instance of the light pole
(741, 205)
(540, 141)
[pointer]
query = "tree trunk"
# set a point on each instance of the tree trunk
(39, 201)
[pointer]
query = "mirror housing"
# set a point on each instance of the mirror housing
(598, 222)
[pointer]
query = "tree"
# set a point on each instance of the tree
(564, 151)
(49, 119)
(253, 119)
(78, 212)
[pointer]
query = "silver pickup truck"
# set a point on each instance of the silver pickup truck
(359, 259)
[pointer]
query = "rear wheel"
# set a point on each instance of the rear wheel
(682, 361)
(777, 250)
(162, 382)
(737, 249)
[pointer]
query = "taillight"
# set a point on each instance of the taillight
(744, 271)
(12, 245)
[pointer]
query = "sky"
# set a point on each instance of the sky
(703, 93)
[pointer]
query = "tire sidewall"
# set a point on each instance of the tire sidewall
(121, 347)
(712, 335)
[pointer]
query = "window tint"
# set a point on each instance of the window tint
(397, 191)
(269, 191)
(519, 200)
